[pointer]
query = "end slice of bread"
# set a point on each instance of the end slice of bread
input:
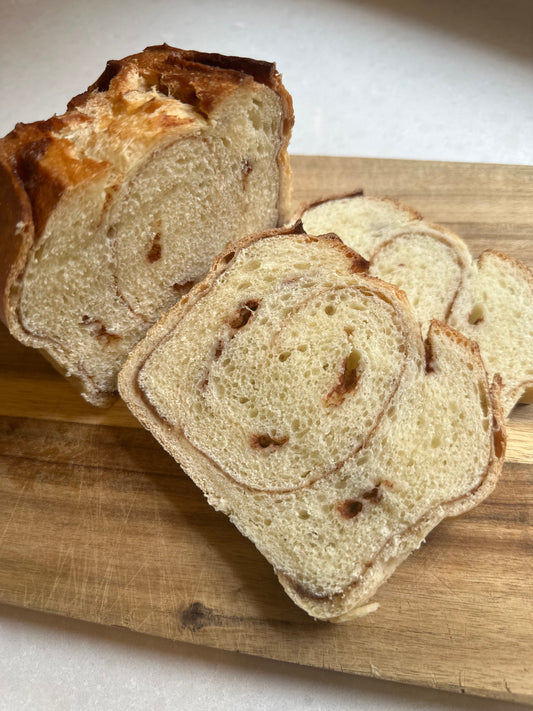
(110, 212)
(489, 300)
(298, 394)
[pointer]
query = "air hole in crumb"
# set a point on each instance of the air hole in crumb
(219, 347)
(246, 168)
(252, 265)
(186, 286)
(154, 253)
(483, 398)
(39, 252)
(330, 309)
(303, 514)
(477, 315)
(284, 356)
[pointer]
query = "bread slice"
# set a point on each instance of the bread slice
(110, 212)
(297, 392)
(489, 300)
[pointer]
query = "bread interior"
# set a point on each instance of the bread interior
(496, 310)
(122, 247)
(425, 267)
(323, 431)
(489, 300)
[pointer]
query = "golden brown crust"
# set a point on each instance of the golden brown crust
(46, 165)
(200, 79)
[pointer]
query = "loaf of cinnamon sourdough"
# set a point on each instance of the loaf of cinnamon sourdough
(297, 392)
(110, 212)
(489, 300)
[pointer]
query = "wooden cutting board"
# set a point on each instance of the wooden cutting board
(97, 522)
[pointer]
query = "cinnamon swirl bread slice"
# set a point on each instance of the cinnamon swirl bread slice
(110, 212)
(297, 392)
(489, 300)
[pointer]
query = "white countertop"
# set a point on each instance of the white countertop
(417, 79)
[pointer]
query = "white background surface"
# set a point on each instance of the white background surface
(416, 79)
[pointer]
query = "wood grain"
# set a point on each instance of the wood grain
(97, 522)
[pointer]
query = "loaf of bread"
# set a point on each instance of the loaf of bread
(489, 300)
(297, 392)
(110, 212)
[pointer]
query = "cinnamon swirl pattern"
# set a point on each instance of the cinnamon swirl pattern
(297, 392)
(489, 300)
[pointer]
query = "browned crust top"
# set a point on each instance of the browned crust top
(164, 67)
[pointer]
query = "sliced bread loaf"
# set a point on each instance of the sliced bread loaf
(110, 212)
(297, 392)
(489, 300)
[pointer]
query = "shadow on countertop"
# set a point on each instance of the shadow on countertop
(505, 26)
